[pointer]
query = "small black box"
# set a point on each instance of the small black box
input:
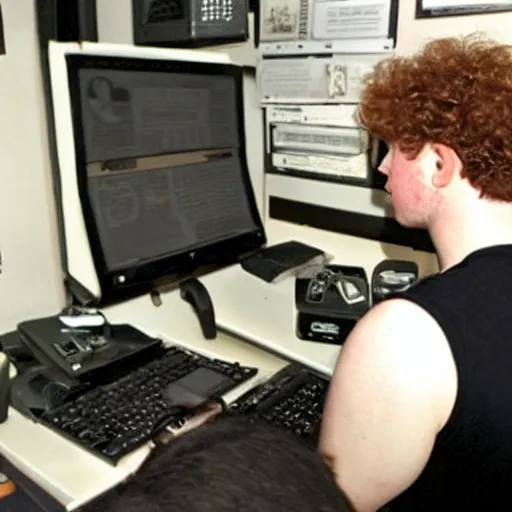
(330, 318)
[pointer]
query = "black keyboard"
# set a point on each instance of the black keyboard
(292, 399)
(113, 419)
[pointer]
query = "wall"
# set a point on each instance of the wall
(413, 33)
(30, 283)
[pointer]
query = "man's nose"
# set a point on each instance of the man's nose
(384, 165)
(383, 169)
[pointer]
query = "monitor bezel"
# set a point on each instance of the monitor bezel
(141, 278)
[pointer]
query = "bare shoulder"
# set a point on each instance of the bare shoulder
(398, 320)
(402, 343)
(392, 391)
(402, 329)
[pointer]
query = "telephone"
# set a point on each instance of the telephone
(55, 360)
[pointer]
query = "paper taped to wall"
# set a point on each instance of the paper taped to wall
(337, 79)
(325, 115)
(351, 19)
(285, 20)
(334, 166)
(320, 139)
(282, 20)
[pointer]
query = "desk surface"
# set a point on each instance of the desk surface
(74, 476)
(265, 313)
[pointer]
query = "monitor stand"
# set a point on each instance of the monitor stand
(195, 293)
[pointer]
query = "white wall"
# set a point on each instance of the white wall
(114, 21)
(30, 283)
(413, 33)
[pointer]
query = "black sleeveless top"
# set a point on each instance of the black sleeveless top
(471, 464)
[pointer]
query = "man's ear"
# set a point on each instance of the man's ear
(447, 166)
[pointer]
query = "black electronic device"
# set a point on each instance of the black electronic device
(276, 262)
(195, 293)
(126, 404)
(4, 387)
(189, 22)
(68, 20)
(83, 351)
(292, 399)
(330, 303)
(114, 419)
(161, 171)
(392, 277)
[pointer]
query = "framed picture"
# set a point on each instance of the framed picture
(279, 20)
(437, 8)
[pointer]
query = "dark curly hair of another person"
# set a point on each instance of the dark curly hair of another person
(229, 465)
(456, 91)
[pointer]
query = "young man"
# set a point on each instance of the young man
(419, 413)
(229, 465)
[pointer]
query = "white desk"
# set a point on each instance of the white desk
(265, 313)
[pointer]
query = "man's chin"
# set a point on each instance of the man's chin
(407, 222)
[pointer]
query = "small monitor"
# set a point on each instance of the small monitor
(161, 168)
(189, 22)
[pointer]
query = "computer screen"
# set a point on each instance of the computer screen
(161, 167)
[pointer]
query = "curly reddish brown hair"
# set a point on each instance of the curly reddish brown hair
(457, 92)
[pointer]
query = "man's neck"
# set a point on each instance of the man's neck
(458, 232)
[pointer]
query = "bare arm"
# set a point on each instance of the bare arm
(393, 389)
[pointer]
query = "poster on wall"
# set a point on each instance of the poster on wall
(335, 79)
(348, 23)
(280, 20)
(437, 8)
(352, 19)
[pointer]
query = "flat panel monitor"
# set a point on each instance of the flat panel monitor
(161, 168)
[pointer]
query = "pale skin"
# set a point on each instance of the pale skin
(395, 383)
